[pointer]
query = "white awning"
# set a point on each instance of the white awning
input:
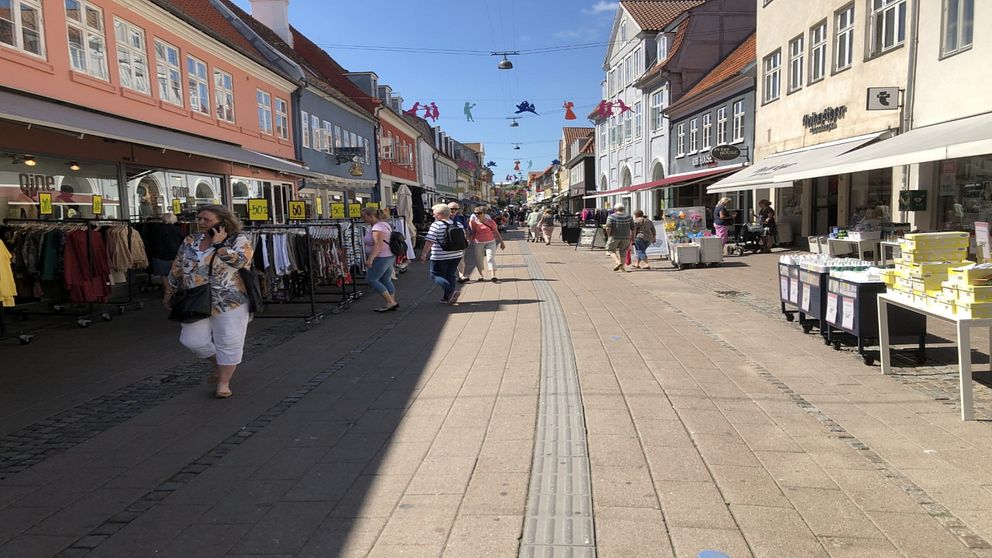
(966, 137)
(788, 166)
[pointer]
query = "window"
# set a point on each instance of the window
(656, 114)
(613, 81)
(738, 121)
(772, 73)
(20, 25)
(338, 143)
(638, 63)
(602, 136)
(628, 70)
(264, 101)
(637, 120)
(327, 143)
(613, 131)
(680, 140)
(366, 145)
(132, 58)
(224, 95)
(199, 87)
(87, 46)
(315, 126)
(353, 140)
(662, 47)
(844, 49)
(796, 64)
(282, 119)
(888, 25)
(305, 128)
(627, 123)
(959, 24)
(623, 31)
(818, 52)
(693, 135)
(721, 126)
(707, 130)
(170, 85)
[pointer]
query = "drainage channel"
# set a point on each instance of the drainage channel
(559, 517)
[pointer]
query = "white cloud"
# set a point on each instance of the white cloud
(582, 33)
(602, 6)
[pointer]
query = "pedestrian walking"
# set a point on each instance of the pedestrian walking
(457, 217)
(445, 245)
(618, 228)
(644, 236)
(213, 257)
(534, 225)
(379, 259)
(723, 219)
(485, 237)
(547, 225)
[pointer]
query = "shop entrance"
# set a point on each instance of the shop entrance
(825, 204)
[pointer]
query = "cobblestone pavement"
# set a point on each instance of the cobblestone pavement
(705, 422)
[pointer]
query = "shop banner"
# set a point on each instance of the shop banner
(44, 203)
(847, 321)
(354, 210)
(97, 204)
(337, 211)
(831, 316)
(297, 210)
(258, 209)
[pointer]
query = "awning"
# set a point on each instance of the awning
(788, 166)
(683, 179)
(966, 137)
(39, 112)
(605, 193)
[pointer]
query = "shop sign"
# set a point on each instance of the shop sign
(297, 210)
(913, 200)
(883, 98)
(825, 120)
(372, 205)
(177, 206)
(31, 184)
(258, 209)
(703, 160)
(337, 211)
(725, 152)
(97, 205)
(45, 203)
(354, 210)
(320, 207)
(180, 192)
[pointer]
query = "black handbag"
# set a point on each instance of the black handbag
(250, 278)
(193, 305)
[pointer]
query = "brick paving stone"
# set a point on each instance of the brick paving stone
(622, 532)
(691, 541)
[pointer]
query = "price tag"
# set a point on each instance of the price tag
(177, 206)
(45, 203)
(372, 205)
(320, 207)
(297, 210)
(258, 210)
(847, 322)
(794, 291)
(784, 287)
(354, 210)
(831, 316)
(97, 204)
(337, 211)
(806, 295)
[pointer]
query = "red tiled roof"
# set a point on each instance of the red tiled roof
(589, 147)
(673, 51)
(210, 19)
(654, 15)
(574, 133)
(729, 67)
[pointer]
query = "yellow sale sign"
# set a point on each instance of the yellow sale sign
(337, 211)
(297, 210)
(258, 210)
(97, 205)
(45, 203)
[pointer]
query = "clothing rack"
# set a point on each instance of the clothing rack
(87, 316)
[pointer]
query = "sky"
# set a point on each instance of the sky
(546, 80)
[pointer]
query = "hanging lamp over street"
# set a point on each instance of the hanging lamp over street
(505, 63)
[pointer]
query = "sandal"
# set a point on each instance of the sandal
(219, 394)
(388, 308)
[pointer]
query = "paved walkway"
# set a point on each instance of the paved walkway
(708, 425)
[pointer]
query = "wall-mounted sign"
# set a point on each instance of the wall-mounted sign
(825, 120)
(31, 184)
(258, 209)
(297, 210)
(913, 200)
(702, 160)
(725, 152)
(337, 211)
(883, 98)
(354, 210)
(319, 204)
(45, 203)
(97, 205)
(177, 206)
(356, 169)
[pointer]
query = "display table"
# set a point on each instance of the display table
(860, 246)
(964, 327)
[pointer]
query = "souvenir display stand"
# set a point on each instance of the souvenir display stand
(689, 243)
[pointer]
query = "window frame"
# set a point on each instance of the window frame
(878, 14)
(693, 136)
(87, 34)
(816, 48)
(638, 115)
(769, 73)
(305, 129)
(221, 90)
(844, 36)
(657, 115)
(266, 124)
(165, 93)
(628, 127)
(315, 130)
(738, 123)
(203, 82)
(282, 117)
(721, 126)
(133, 53)
(680, 139)
(797, 63)
(17, 28)
(707, 132)
(962, 46)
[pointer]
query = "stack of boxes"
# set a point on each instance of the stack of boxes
(968, 290)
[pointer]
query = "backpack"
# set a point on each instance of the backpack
(454, 238)
(397, 243)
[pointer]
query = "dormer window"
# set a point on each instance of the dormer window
(662, 46)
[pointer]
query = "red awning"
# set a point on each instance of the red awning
(674, 180)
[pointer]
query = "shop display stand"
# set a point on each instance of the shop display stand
(350, 242)
(851, 309)
(813, 300)
(789, 286)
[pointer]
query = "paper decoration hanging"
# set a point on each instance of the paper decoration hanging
(623, 107)
(605, 108)
(529, 165)
(430, 110)
(491, 164)
(412, 111)
(527, 106)
(569, 113)
(555, 162)
(516, 165)
(468, 111)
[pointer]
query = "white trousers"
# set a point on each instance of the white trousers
(487, 251)
(222, 335)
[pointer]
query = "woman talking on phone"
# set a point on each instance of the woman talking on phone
(213, 257)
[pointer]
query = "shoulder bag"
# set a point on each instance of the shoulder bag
(193, 305)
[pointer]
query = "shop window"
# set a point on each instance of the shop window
(170, 84)
(132, 58)
(282, 118)
(817, 52)
(264, 101)
(965, 192)
(738, 121)
(305, 133)
(199, 87)
(772, 66)
(680, 140)
(240, 190)
(693, 136)
(707, 130)
(844, 46)
(796, 63)
(959, 24)
(72, 191)
(204, 192)
(20, 26)
(224, 95)
(721, 126)
(871, 203)
(87, 45)
(888, 25)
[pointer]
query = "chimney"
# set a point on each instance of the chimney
(274, 14)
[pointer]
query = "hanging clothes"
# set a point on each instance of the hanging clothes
(8, 289)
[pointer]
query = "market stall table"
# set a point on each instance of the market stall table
(860, 247)
(964, 327)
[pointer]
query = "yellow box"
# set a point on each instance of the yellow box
(943, 307)
(969, 275)
(931, 256)
(975, 310)
(972, 294)
(928, 269)
(950, 235)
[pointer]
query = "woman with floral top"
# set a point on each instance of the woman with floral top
(219, 244)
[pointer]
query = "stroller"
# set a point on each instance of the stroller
(748, 238)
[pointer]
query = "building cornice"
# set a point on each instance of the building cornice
(716, 94)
